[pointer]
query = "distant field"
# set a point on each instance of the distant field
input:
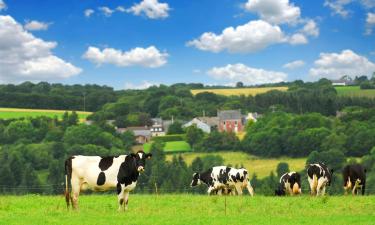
(239, 91)
(10, 113)
(355, 91)
(171, 146)
(262, 167)
(189, 209)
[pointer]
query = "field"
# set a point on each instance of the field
(189, 209)
(355, 91)
(239, 91)
(9, 113)
(171, 146)
(262, 167)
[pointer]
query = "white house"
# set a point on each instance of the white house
(207, 124)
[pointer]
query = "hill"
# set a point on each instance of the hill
(355, 91)
(11, 113)
(262, 167)
(239, 91)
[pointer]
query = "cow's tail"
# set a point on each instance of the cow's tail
(315, 184)
(68, 173)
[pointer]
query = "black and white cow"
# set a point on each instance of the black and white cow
(103, 173)
(354, 178)
(319, 176)
(290, 183)
(223, 179)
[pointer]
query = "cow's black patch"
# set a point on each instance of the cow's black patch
(355, 172)
(101, 178)
(320, 170)
(128, 172)
(105, 163)
(118, 188)
(206, 177)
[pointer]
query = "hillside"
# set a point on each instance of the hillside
(355, 91)
(11, 113)
(262, 167)
(239, 91)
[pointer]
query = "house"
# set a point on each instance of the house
(341, 82)
(207, 124)
(157, 128)
(252, 116)
(141, 134)
(231, 121)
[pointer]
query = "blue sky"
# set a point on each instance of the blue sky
(134, 44)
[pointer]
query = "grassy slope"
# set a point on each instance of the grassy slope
(189, 209)
(262, 167)
(171, 146)
(239, 91)
(8, 113)
(355, 91)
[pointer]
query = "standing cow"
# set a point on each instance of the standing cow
(354, 178)
(102, 174)
(319, 177)
(290, 183)
(223, 178)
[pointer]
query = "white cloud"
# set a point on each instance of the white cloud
(240, 72)
(370, 23)
(336, 65)
(144, 85)
(88, 12)
(106, 11)
(146, 57)
(36, 25)
(3, 6)
(25, 57)
(310, 28)
(251, 37)
(151, 8)
(274, 11)
(120, 9)
(368, 3)
(297, 39)
(294, 64)
(338, 6)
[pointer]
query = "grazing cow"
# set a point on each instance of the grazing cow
(319, 177)
(223, 178)
(290, 183)
(102, 174)
(354, 178)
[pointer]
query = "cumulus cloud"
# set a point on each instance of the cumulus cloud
(3, 6)
(88, 12)
(274, 11)
(251, 37)
(146, 57)
(338, 6)
(150, 8)
(294, 64)
(370, 23)
(120, 9)
(106, 11)
(144, 85)
(240, 72)
(297, 39)
(336, 65)
(34, 25)
(25, 57)
(310, 28)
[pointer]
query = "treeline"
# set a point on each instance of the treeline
(56, 96)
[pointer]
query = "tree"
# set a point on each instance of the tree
(239, 84)
(282, 168)
(175, 128)
(193, 135)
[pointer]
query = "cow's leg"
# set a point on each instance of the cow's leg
(250, 188)
(76, 187)
(312, 188)
(210, 189)
(126, 198)
(363, 189)
(238, 189)
(321, 187)
(120, 196)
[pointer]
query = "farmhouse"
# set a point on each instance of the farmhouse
(142, 134)
(207, 124)
(342, 82)
(231, 121)
(157, 128)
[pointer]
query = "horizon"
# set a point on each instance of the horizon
(142, 43)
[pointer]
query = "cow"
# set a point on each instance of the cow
(103, 173)
(290, 183)
(354, 178)
(319, 176)
(225, 179)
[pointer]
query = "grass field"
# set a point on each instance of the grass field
(262, 167)
(189, 209)
(239, 91)
(171, 146)
(10, 113)
(355, 91)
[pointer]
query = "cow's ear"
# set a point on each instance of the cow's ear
(148, 156)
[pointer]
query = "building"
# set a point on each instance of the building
(252, 116)
(231, 121)
(207, 124)
(342, 82)
(157, 128)
(141, 134)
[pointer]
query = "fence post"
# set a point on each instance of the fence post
(225, 204)
(156, 189)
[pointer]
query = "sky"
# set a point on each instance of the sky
(134, 44)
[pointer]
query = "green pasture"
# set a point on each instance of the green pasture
(355, 91)
(171, 147)
(11, 113)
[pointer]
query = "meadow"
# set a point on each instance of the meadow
(239, 91)
(171, 147)
(11, 113)
(189, 209)
(355, 91)
(262, 167)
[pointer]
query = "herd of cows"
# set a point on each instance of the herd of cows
(121, 172)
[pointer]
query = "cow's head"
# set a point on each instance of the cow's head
(279, 192)
(140, 160)
(196, 180)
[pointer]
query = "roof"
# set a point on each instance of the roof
(138, 131)
(229, 115)
(211, 121)
(157, 121)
